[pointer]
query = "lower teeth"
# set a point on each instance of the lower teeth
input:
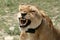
(23, 22)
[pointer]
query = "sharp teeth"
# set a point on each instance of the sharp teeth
(23, 19)
(24, 23)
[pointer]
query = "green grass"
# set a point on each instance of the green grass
(10, 7)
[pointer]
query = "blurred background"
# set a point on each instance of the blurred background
(9, 27)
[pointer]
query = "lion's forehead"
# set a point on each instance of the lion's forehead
(27, 8)
(24, 8)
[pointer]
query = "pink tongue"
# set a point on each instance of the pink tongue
(23, 21)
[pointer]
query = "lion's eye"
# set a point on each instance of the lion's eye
(32, 11)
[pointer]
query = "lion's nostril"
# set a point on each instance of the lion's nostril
(23, 14)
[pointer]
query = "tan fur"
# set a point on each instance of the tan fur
(46, 30)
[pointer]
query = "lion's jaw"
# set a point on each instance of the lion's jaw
(34, 24)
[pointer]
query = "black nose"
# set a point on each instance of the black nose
(23, 14)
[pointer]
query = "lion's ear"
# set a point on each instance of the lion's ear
(34, 8)
(20, 7)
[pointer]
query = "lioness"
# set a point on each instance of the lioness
(35, 24)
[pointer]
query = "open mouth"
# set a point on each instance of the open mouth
(24, 22)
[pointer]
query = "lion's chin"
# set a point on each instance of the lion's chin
(24, 22)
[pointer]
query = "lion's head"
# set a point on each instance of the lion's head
(29, 16)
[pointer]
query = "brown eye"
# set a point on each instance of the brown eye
(32, 11)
